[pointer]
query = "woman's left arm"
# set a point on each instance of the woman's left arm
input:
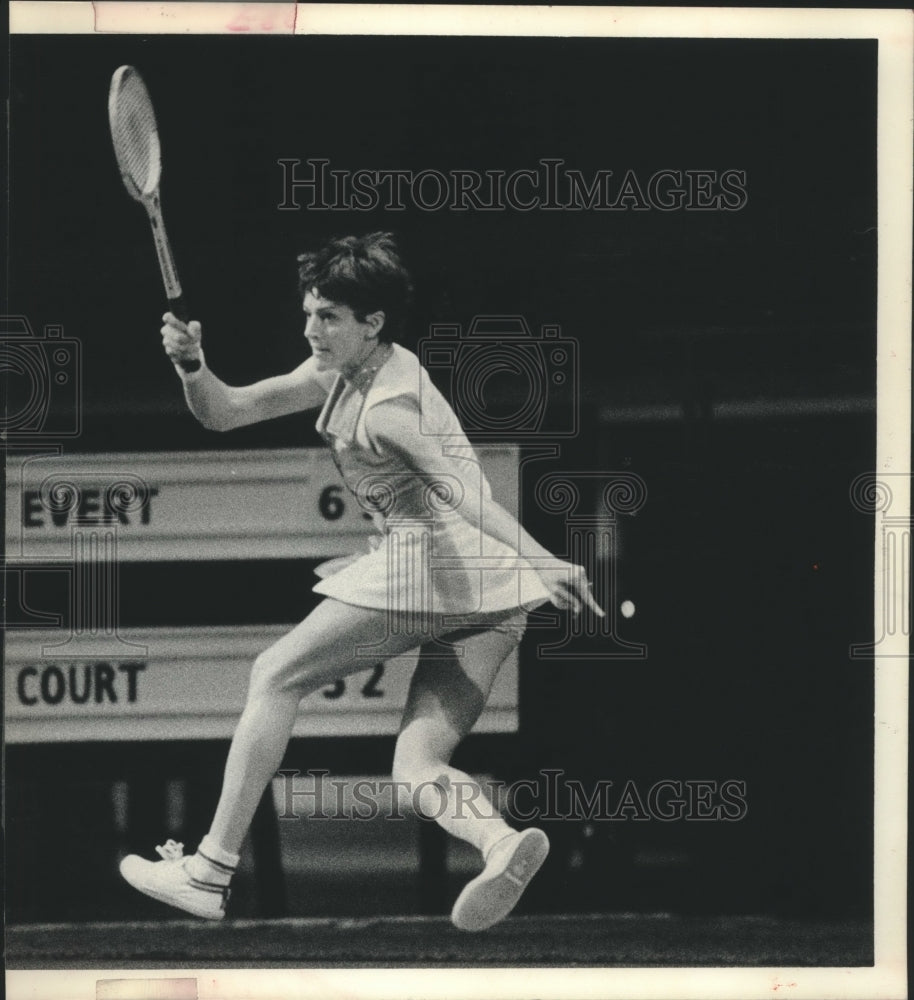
(395, 426)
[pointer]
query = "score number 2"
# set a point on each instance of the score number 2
(370, 688)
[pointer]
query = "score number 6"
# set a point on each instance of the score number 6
(330, 503)
(332, 506)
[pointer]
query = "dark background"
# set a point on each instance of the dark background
(750, 567)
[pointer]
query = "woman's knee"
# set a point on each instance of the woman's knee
(422, 750)
(274, 673)
(419, 780)
(265, 676)
(404, 767)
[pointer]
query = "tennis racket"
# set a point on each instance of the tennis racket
(139, 159)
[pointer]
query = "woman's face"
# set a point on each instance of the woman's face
(339, 341)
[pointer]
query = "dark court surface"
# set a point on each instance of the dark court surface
(636, 940)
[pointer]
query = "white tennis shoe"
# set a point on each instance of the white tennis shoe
(494, 893)
(170, 882)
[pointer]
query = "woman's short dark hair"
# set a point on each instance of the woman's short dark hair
(364, 273)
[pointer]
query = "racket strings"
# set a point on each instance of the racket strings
(133, 129)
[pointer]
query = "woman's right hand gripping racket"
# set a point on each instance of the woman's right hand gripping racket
(139, 159)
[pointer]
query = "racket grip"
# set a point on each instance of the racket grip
(178, 307)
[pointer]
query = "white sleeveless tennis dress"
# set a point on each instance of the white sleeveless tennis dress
(427, 557)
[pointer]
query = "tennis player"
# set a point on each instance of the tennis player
(445, 576)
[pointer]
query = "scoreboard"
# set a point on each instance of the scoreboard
(185, 506)
(89, 513)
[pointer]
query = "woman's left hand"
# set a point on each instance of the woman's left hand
(568, 587)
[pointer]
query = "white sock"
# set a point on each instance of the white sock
(490, 850)
(458, 804)
(212, 863)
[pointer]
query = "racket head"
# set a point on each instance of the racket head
(134, 133)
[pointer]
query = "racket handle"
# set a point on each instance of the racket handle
(178, 307)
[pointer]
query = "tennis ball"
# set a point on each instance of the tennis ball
(627, 608)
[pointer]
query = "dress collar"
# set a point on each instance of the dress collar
(362, 379)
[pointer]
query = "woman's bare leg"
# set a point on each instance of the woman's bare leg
(322, 649)
(446, 697)
(445, 700)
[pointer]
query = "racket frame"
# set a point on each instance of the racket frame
(149, 196)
